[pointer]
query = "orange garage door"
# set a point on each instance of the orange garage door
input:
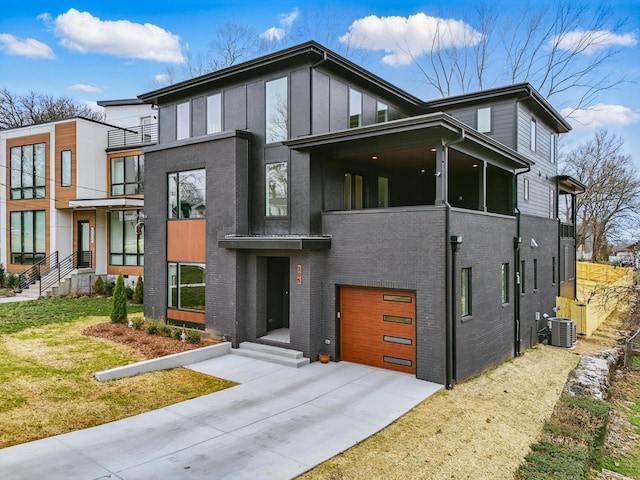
(377, 327)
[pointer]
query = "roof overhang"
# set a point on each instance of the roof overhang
(107, 203)
(275, 242)
(568, 184)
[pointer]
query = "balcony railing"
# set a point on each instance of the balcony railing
(567, 230)
(137, 136)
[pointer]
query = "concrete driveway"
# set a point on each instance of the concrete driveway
(278, 423)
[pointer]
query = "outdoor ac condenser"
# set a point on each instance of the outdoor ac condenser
(563, 332)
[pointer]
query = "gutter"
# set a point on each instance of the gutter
(517, 241)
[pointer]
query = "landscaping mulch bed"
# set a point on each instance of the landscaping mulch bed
(149, 345)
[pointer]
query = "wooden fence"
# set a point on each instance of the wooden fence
(594, 303)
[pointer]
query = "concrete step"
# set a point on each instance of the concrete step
(268, 353)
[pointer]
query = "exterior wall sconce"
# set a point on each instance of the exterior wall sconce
(456, 241)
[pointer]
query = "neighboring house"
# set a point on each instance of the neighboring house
(629, 256)
(346, 215)
(73, 193)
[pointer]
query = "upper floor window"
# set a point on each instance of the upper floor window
(28, 171)
(276, 110)
(214, 113)
(276, 189)
(355, 108)
(465, 292)
(505, 283)
(65, 168)
(532, 137)
(382, 110)
(186, 194)
(127, 175)
(483, 120)
(183, 121)
(552, 203)
(525, 189)
(553, 147)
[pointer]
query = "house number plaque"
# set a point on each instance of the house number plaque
(299, 274)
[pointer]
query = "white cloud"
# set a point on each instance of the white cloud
(81, 87)
(601, 115)
(162, 79)
(24, 48)
(84, 33)
(405, 38)
(590, 41)
(285, 20)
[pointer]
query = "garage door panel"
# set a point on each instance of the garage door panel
(377, 327)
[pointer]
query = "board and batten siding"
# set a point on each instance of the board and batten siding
(542, 177)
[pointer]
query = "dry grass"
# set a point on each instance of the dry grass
(48, 386)
(482, 429)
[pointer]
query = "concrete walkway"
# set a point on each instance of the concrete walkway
(278, 423)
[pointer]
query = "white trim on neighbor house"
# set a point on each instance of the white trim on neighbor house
(115, 202)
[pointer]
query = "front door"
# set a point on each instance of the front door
(84, 249)
(277, 293)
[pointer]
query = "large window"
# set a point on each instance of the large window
(183, 121)
(186, 284)
(28, 244)
(465, 292)
(65, 168)
(214, 113)
(126, 245)
(355, 108)
(127, 175)
(28, 171)
(276, 110)
(505, 282)
(186, 194)
(276, 189)
(483, 120)
(353, 192)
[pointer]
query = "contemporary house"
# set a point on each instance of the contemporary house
(72, 195)
(300, 201)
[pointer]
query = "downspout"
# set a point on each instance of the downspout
(450, 297)
(517, 241)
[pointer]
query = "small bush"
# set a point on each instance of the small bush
(138, 323)
(128, 292)
(109, 287)
(119, 310)
(98, 286)
(165, 330)
(176, 332)
(193, 336)
(2, 276)
(138, 291)
(152, 327)
(12, 280)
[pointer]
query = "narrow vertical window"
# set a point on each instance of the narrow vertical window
(553, 147)
(552, 203)
(505, 282)
(276, 190)
(465, 292)
(532, 138)
(535, 273)
(355, 108)
(183, 121)
(65, 168)
(383, 192)
(553, 270)
(276, 110)
(353, 192)
(522, 277)
(526, 189)
(214, 113)
(382, 112)
(483, 120)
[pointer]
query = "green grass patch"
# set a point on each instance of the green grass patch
(18, 316)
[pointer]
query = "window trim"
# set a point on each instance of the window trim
(138, 182)
(38, 182)
(36, 255)
(178, 284)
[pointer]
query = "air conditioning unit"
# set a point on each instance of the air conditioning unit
(563, 332)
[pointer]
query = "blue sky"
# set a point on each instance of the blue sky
(97, 50)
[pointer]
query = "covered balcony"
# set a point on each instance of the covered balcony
(132, 137)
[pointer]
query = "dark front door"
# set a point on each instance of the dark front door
(277, 293)
(84, 249)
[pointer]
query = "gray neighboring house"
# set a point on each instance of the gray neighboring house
(298, 200)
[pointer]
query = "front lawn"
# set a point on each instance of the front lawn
(47, 372)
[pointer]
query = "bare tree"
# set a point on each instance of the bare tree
(33, 108)
(554, 48)
(609, 206)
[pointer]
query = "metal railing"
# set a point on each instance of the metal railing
(78, 259)
(629, 349)
(133, 136)
(34, 273)
(567, 230)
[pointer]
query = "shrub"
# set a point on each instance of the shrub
(165, 330)
(137, 322)
(193, 336)
(2, 276)
(12, 280)
(128, 291)
(152, 327)
(176, 332)
(109, 287)
(138, 291)
(119, 309)
(98, 286)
